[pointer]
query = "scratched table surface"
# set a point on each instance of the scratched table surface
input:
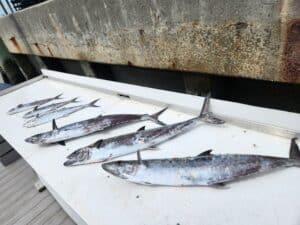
(91, 196)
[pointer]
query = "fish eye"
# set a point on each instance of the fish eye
(83, 155)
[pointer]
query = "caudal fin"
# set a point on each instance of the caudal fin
(294, 150)
(154, 117)
(92, 104)
(206, 115)
(75, 100)
(58, 96)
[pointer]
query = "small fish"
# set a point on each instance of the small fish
(85, 127)
(27, 106)
(63, 112)
(205, 169)
(107, 149)
(48, 108)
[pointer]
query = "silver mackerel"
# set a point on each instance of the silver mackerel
(30, 105)
(63, 112)
(89, 126)
(205, 169)
(37, 111)
(107, 149)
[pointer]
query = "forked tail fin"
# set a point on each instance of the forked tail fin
(294, 150)
(74, 100)
(206, 115)
(92, 104)
(154, 117)
(58, 96)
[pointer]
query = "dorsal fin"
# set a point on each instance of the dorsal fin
(99, 116)
(205, 106)
(139, 158)
(142, 128)
(98, 143)
(35, 108)
(207, 152)
(294, 150)
(54, 125)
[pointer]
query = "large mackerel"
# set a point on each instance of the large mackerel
(86, 127)
(37, 111)
(205, 169)
(63, 112)
(30, 105)
(107, 149)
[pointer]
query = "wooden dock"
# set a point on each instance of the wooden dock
(20, 201)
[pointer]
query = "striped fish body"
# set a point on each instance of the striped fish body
(31, 105)
(196, 171)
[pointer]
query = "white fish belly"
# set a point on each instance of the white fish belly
(171, 176)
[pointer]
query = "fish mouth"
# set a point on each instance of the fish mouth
(108, 167)
(35, 139)
(31, 140)
(71, 162)
(119, 169)
(11, 111)
(112, 168)
(28, 124)
(78, 157)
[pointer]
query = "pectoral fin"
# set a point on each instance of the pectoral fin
(207, 152)
(54, 125)
(142, 128)
(139, 158)
(63, 143)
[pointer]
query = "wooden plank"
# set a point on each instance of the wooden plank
(67, 221)
(27, 177)
(9, 181)
(34, 211)
(9, 157)
(16, 191)
(47, 214)
(8, 199)
(57, 219)
(13, 213)
(13, 167)
(21, 203)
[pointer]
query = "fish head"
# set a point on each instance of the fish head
(15, 110)
(79, 157)
(28, 115)
(122, 169)
(37, 139)
(29, 123)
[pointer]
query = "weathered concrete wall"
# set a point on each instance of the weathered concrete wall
(256, 39)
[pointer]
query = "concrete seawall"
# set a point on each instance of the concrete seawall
(257, 39)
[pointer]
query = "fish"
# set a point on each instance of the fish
(30, 105)
(89, 126)
(110, 148)
(205, 169)
(63, 112)
(37, 111)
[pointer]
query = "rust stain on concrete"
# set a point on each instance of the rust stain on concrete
(50, 52)
(291, 54)
(38, 48)
(16, 44)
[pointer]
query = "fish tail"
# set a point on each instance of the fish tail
(154, 117)
(75, 100)
(92, 104)
(206, 115)
(58, 96)
(295, 152)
